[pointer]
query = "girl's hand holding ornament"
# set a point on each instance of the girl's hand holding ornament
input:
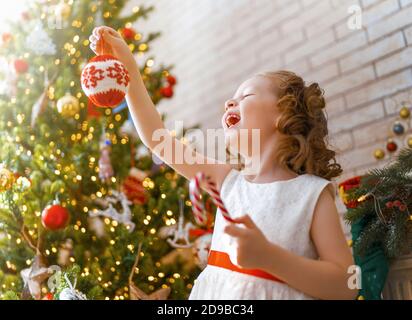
(107, 41)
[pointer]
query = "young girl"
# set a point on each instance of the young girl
(288, 239)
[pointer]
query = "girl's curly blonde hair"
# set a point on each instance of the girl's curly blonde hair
(303, 145)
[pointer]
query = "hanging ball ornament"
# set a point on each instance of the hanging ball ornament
(398, 128)
(7, 179)
(409, 141)
(68, 105)
(171, 80)
(105, 81)
(167, 92)
(55, 217)
(391, 146)
(379, 154)
(405, 113)
(128, 33)
(21, 66)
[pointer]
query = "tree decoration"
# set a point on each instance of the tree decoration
(128, 33)
(182, 232)
(21, 66)
(55, 217)
(105, 81)
(39, 42)
(65, 252)
(379, 154)
(34, 276)
(124, 217)
(201, 250)
(398, 128)
(71, 293)
(133, 187)
(41, 103)
(7, 179)
(68, 105)
(167, 92)
(6, 37)
(105, 166)
(391, 146)
(405, 113)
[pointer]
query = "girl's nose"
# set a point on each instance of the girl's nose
(230, 104)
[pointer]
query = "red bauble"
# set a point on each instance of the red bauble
(105, 81)
(6, 37)
(392, 146)
(128, 33)
(48, 296)
(133, 187)
(171, 80)
(21, 66)
(167, 92)
(55, 217)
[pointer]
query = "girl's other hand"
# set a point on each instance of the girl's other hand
(105, 40)
(252, 245)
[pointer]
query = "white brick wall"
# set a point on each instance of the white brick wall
(217, 44)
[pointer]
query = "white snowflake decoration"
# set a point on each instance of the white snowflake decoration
(39, 42)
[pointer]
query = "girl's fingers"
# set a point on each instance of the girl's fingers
(92, 39)
(95, 32)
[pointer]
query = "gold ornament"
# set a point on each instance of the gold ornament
(350, 243)
(63, 10)
(409, 141)
(68, 106)
(6, 179)
(405, 113)
(379, 154)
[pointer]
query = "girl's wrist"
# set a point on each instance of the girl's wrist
(269, 255)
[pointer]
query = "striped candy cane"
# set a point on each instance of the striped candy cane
(195, 190)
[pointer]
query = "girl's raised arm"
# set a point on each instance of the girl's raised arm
(146, 118)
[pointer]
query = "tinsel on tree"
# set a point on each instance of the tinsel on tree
(382, 204)
(78, 190)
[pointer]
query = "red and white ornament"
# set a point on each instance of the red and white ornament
(55, 217)
(133, 187)
(195, 191)
(105, 81)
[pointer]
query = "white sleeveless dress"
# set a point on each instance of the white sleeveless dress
(283, 210)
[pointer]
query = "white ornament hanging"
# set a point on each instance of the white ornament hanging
(39, 42)
(181, 233)
(124, 217)
(71, 293)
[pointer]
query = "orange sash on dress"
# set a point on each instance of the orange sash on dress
(222, 260)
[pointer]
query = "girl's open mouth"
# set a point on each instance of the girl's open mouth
(232, 119)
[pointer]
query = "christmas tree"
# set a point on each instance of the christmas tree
(379, 213)
(85, 211)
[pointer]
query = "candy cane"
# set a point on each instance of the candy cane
(195, 186)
